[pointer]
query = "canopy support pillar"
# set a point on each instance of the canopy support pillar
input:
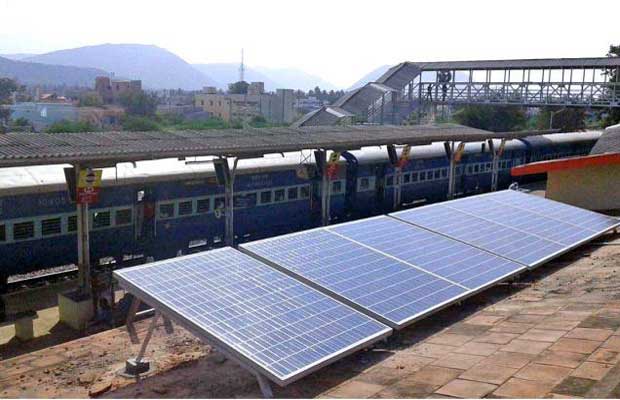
(229, 209)
(449, 147)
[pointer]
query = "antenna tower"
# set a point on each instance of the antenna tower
(241, 69)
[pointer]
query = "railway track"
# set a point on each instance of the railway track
(42, 279)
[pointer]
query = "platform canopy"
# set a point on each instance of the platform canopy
(108, 148)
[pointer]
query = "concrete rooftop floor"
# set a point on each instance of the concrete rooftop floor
(554, 332)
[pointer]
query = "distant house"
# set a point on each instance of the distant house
(274, 107)
(41, 115)
(111, 90)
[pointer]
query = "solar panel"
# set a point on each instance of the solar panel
(452, 260)
(524, 228)
(380, 285)
(279, 326)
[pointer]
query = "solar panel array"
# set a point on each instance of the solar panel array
(384, 287)
(276, 323)
(303, 300)
(525, 228)
(452, 260)
(389, 269)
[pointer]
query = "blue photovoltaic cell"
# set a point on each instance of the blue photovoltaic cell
(498, 239)
(521, 227)
(448, 258)
(280, 324)
(385, 288)
(522, 220)
(558, 211)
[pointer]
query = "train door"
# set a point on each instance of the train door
(145, 217)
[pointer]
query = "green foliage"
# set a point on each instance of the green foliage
(65, 126)
(240, 87)
(139, 103)
(90, 100)
(21, 121)
(564, 119)
(492, 118)
(612, 116)
(7, 87)
(139, 123)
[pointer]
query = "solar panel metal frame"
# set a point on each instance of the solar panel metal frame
(532, 265)
(229, 351)
(399, 324)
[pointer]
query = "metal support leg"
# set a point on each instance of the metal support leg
(148, 336)
(265, 386)
(137, 366)
(168, 327)
(131, 315)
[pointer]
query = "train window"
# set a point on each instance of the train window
(123, 217)
(389, 181)
(476, 168)
(101, 219)
(437, 174)
(336, 186)
(23, 230)
(292, 193)
(219, 203)
(166, 210)
(429, 175)
(469, 170)
(245, 200)
(422, 176)
(50, 226)
(364, 183)
(279, 195)
(2, 233)
(203, 206)
(406, 178)
(414, 177)
(265, 197)
(489, 166)
(304, 192)
(72, 223)
(186, 207)
(444, 172)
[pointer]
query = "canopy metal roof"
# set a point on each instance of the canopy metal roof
(106, 148)
(592, 62)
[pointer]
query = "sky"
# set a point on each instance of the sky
(339, 40)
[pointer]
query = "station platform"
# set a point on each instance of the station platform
(555, 332)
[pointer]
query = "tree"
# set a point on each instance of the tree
(139, 124)
(139, 103)
(90, 100)
(612, 116)
(492, 118)
(564, 119)
(65, 126)
(240, 87)
(7, 87)
(21, 121)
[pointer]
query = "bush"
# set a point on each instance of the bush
(136, 124)
(65, 126)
